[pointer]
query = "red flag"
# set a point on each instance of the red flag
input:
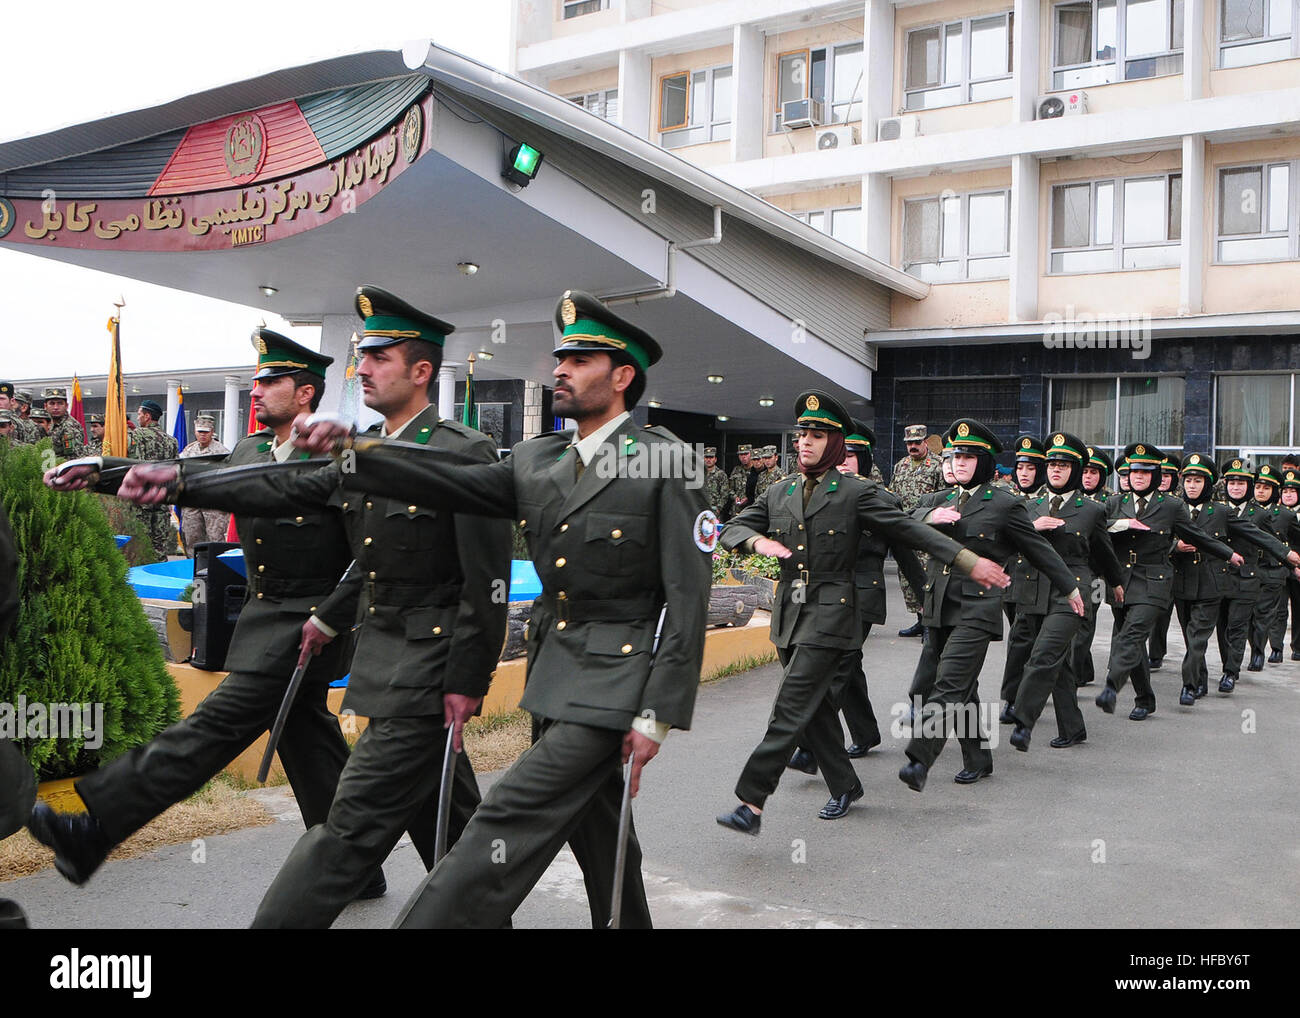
(76, 411)
(232, 534)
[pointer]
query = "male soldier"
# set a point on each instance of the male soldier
(293, 565)
(960, 619)
(19, 429)
(715, 483)
(769, 474)
(202, 525)
(1143, 525)
(1038, 657)
(95, 422)
(1096, 471)
(1169, 471)
(44, 422)
(744, 478)
(9, 426)
(816, 521)
(915, 476)
(434, 596)
(1290, 499)
(1268, 621)
(148, 442)
(22, 403)
(615, 640)
(67, 436)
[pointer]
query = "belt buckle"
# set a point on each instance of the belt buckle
(947, 569)
(1196, 559)
(804, 578)
(1132, 558)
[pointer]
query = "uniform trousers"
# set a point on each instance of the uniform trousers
(1048, 670)
(855, 702)
(1233, 628)
(1081, 647)
(804, 714)
(1128, 651)
(1158, 645)
(136, 787)
(390, 785)
(949, 669)
(1268, 619)
(1293, 596)
(1197, 620)
(568, 786)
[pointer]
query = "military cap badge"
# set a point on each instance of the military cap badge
(1141, 450)
(568, 312)
(963, 430)
(813, 403)
(1059, 440)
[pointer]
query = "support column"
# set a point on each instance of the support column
(173, 388)
(747, 111)
(532, 409)
(1194, 69)
(447, 391)
(1027, 76)
(634, 92)
(877, 213)
(231, 432)
(878, 61)
(1026, 262)
(1191, 249)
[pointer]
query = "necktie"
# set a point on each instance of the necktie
(1196, 513)
(1055, 504)
(1142, 506)
(963, 498)
(579, 466)
(809, 483)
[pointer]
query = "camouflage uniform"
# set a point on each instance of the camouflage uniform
(28, 432)
(68, 438)
(737, 482)
(202, 525)
(149, 442)
(769, 475)
(912, 480)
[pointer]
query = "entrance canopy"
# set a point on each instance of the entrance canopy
(288, 190)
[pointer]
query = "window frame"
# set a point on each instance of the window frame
(1221, 44)
(711, 124)
(1292, 233)
(829, 102)
(567, 5)
(1293, 432)
(965, 83)
(1121, 59)
(1114, 448)
(827, 213)
(601, 94)
(1117, 243)
(964, 257)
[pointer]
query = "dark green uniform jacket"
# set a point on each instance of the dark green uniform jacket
(1200, 577)
(1144, 555)
(1083, 544)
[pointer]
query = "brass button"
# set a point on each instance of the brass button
(372, 609)
(370, 505)
(627, 648)
(437, 630)
(312, 608)
(523, 523)
(259, 540)
(261, 569)
(801, 526)
(842, 601)
(561, 625)
(560, 561)
(830, 531)
(800, 548)
(345, 505)
(372, 574)
(259, 595)
(616, 533)
(368, 540)
(297, 519)
(410, 508)
(563, 527)
(562, 595)
(799, 566)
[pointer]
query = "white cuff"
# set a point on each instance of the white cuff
(331, 633)
(1119, 525)
(654, 730)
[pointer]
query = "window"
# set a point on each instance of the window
(577, 8)
(1104, 225)
(844, 224)
(1256, 218)
(959, 62)
(1100, 41)
(1256, 31)
(1109, 413)
(695, 107)
(1256, 417)
(830, 75)
(957, 237)
(604, 103)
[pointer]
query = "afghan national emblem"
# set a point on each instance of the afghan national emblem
(963, 430)
(706, 531)
(1236, 464)
(245, 146)
(1059, 440)
(1026, 443)
(568, 311)
(412, 133)
(6, 216)
(813, 403)
(1141, 450)
(1195, 459)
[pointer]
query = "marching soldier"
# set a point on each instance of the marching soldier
(199, 526)
(960, 619)
(1096, 475)
(715, 483)
(1096, 472)
(1290, 499)
(66, 435)
(1169, 485)
(1143, 525)
(916, 475)
(1030, 467)
(294, 565)
(1268, 621)
(1039, 652)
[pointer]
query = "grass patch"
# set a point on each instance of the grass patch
(495, 741)
(744, 664)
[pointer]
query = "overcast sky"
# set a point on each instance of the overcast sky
(69, 65)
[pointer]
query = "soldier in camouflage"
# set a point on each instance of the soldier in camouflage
(149, 442)
(20, 430)
(716, 484)
(22, 405)
(915, 476)
(43, 422)
(740, 476)
(769, 473)
(67, 435)
(95, 423)
(199, 526)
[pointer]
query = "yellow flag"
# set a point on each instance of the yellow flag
(115, 431)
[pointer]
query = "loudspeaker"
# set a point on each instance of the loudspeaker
(218, 597)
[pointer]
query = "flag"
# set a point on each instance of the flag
(179, 430)
(115, 434)
(75, 410)
(470, 416)
(350, 402)
(232, 535)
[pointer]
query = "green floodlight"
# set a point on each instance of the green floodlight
(522, 164)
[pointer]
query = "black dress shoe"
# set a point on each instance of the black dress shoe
(857, 751)
(803, 761)
(967, 777)
(1202, 689)
(376, 887)
(1006, 717)
(913, 775)
(1256, 661)
(1226, 683)
(839, 805)
(742, 819)
(1020, 738)
(1275, 658)
(79, 843)
(1064, 741)
(915, 629)
(1140, 714)
(1295, 655)
(1155, 663)
(1106, 700)
(1187, 698)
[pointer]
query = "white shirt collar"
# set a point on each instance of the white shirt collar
(587, 446)
(281, 451)
(385, 433)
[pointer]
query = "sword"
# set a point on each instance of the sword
(277, 729)
(625, 813)
(444, 796)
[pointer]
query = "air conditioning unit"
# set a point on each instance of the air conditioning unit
(837, 137)
(801, 113)
(1062, 104)
(894, 128)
